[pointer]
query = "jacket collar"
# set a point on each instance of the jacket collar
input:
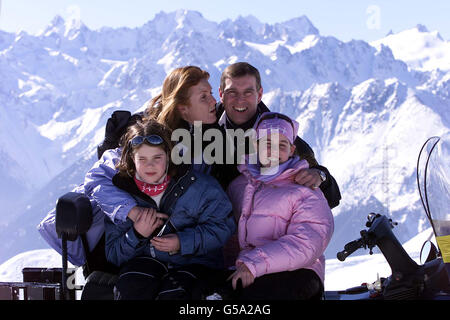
(225, 122)
(178, 185)
(288, 174)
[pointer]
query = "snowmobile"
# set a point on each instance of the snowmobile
(409, 281)
(428, 281)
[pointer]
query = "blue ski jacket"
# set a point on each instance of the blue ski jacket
(200, 213)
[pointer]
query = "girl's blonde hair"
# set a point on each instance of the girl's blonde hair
(148, 127)
(175, 92)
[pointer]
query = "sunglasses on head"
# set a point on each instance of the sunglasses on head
(152, 139)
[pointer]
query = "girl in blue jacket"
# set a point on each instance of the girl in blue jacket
(174, 246)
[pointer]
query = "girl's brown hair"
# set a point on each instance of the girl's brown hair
(148, 127)
(175, 92)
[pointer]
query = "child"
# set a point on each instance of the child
(175, 244)
(283, 227)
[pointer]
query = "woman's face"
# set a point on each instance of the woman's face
(202, 105)
(274, 149)
(151, 163)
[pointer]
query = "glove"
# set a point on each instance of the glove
(115, 127)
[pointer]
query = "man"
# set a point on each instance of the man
(240, 93)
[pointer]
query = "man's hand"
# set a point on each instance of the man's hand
(309, 178)
(167, 243)
(243, 273)
(148, 220)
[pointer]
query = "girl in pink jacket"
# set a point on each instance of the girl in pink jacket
(283, 227)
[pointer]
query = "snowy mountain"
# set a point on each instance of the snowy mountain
(419, 48)
(365, 109)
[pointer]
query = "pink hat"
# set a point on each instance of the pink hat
(276, 122)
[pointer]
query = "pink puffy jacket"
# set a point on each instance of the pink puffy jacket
(282, 226)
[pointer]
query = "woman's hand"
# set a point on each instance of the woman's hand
(243, 273)
(167, 243)
(148, 220)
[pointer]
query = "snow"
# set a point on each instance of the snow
(419, 48)
(270, 49)
(11, 270)
(365, 109)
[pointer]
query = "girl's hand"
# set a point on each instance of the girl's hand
(243, 273)
(134, 213)
(167, 243)
(148, 221)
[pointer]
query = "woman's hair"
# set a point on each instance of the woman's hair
(175, 92)
(148, 127)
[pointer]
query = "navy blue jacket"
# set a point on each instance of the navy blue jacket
(199, 212)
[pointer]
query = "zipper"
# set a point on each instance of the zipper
(163, 198)
(152, 248)
(252, 207)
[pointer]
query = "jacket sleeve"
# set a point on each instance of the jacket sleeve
(75, 249)
(121, 242)
(306, 239)
(215, 224)
(114, 202)
(330, 187)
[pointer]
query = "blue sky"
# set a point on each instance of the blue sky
(344, 19)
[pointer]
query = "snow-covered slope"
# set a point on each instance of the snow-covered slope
(363, 110)
(11, 270)
(419, 48)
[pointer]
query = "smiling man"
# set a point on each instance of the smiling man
(241, 105)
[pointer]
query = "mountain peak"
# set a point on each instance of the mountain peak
(188, 13)
(302, 24)
(421, 28)
(57, 21)
(64, 28)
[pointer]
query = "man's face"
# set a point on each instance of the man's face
(240, 98)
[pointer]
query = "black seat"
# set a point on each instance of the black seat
(73, 220)
(100, 274)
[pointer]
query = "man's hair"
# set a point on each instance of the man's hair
(237, 70)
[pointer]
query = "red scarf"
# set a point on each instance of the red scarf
(152, 189)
